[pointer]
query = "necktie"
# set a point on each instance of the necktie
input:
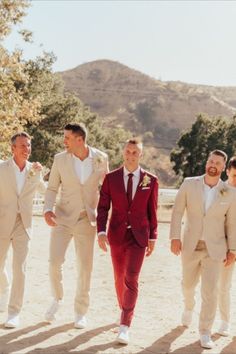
(130, 188)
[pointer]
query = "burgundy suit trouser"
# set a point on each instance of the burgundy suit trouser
(127, 259)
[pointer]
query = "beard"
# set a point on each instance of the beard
(212, 172)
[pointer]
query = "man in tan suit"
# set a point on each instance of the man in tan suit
(210, 206)
(19, 181)
(226, 272)
(78, 171)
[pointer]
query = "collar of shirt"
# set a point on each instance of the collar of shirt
(16, 167)
(89, 155)
(20, 175)
(136, 179)
(83, 168)
(208, 187)
(136, 173)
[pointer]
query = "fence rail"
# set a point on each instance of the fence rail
(165, 204)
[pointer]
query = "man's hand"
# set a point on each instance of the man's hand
(176, 246)
(150, 248)
(103, 242)
(50, 218)
(230, 258)
(37, 166)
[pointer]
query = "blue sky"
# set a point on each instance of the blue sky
(190, 41)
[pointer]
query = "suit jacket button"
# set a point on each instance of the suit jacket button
(129, 212)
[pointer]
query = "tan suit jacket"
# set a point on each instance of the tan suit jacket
(11, 203)
(74, 196)
(212, 225)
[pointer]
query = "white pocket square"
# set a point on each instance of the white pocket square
(145, 188)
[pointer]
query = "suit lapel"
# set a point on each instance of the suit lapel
(120, 185)
(71, 167)
(12, 176)
(217, 195)
(27, 167)
(139, 186)
(92, 155)
(200, 193)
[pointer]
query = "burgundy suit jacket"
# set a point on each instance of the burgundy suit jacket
(141, 215)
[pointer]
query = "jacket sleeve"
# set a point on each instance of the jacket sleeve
(103, 206)
(152, 210)
(53, 186)
(230, 224)
(178, 212)
(41, 187)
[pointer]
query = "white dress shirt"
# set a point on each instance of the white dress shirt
(83, 168)
(209, 194)
(20, 176)
(136, 179)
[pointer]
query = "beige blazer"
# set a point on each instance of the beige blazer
(74, 196)
(212, 226)
(11, 203)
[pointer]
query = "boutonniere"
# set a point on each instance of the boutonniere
(98, 160)
(32, 172)
(223, 191)
(146, 181)
(35, 167)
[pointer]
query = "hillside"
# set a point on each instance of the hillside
(121, 95)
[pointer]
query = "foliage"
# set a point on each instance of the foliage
(194, 145)
(17, 106)
(32, 98)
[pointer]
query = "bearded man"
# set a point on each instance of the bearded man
(210, 206)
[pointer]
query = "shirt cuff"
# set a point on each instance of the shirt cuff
(152, 239)
(101, 233)
(46, 210)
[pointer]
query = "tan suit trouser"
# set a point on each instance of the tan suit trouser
(194, 267)
(20, 246)
(83, 234)
(225, 283)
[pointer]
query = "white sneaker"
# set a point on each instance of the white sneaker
(4, 300)
(187, 318)
(123, 335)
(12, 321)
(224, 329)
(206, 341)
(80, 321)
(52, 310)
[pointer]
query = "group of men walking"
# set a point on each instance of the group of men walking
(123, 213)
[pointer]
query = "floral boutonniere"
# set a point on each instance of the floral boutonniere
(98, 161)
(35, 167)
(146, 181)
(223, 191)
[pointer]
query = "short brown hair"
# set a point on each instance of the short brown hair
(219, 153)
(135, 141)
(231, 163)
(77, 129)
(19, 134)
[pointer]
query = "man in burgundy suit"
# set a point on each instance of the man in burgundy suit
(132, 231)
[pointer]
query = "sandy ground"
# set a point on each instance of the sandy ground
(156, 326)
